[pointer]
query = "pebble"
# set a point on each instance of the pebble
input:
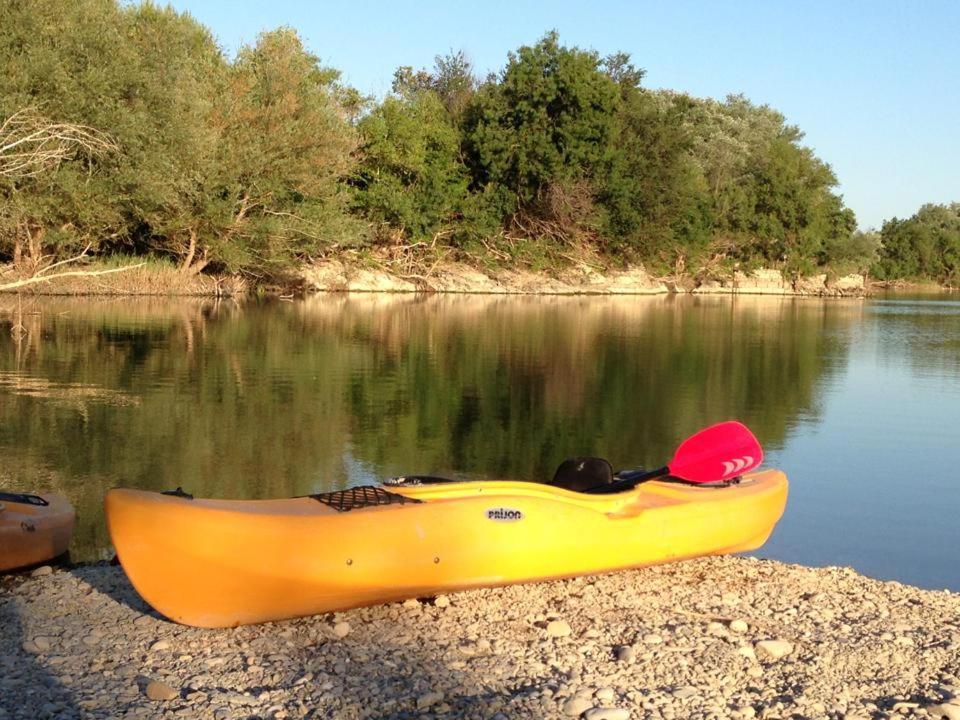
(945, 710)
(599, 713)
(490, 655)
(773, 649)
(42, 643)
(411, 603)
(558, 629)
(41, 571)
(428, 699)
(441, 601)
(576, 706)
(739, 626)
(341, 629)
(157, 690)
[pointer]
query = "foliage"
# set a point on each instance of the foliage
(203, 143)
(926, 245)
(547, 120)
(411, 179)
(254, 163)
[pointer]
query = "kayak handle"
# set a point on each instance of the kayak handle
(23, 499)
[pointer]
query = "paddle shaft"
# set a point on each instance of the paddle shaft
(630, 479)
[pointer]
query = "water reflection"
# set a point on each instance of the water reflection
(278, 399)
(274, 399)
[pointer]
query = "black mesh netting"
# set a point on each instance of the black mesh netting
(360, 497)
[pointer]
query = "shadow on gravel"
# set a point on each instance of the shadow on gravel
(386, 668)
(113, 584)
(395, 658)
(27, 689)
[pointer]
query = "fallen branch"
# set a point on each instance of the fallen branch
(73, 273)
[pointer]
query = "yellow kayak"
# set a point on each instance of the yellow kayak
(221, 563)
(33, 529)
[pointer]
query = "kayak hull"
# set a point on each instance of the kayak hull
(215, 563)
(32, 534)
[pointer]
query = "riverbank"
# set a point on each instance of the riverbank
(709, 638)
(374, 274)
(121, 276)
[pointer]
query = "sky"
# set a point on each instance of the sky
(874, 85)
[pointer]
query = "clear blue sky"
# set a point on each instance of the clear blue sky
(874, 85)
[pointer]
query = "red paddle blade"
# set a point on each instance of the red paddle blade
(717, 453)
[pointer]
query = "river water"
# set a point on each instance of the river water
(858, 401)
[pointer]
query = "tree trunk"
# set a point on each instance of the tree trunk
(188, 266)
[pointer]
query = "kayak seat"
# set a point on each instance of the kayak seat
(582, 473)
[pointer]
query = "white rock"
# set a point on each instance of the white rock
(428, 699)
(773, 649)
(441, 601)
(599, 713)
(157, 690)
(42, 643)
(605, 694)
(576, 706)
(652, 639)
(341, 629)
(739, 626)
(411, 603)
(946, 710)
(160, 645)
(42, 571)
(558, 628)
(747, 651)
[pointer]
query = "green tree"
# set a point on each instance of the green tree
(411, 177)
(547, 120)
(276, 191)
(925, 245)
(655, 195)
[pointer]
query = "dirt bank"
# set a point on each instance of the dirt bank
(337, 275)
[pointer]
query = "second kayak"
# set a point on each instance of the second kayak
(33, 528)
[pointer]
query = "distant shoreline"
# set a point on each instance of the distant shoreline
(337, 275)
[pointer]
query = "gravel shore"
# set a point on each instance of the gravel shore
(709, 638)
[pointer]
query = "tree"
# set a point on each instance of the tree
(655, 195)
(411, 177)
(547, 121)
(285, 144)
(452, 80)
(926, 245)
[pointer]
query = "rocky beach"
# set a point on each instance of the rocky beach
(711, 638)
